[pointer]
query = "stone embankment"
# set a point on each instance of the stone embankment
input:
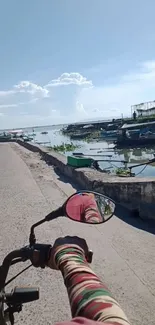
(136, 193)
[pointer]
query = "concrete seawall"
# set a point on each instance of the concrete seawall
(137, 193)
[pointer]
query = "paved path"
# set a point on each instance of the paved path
(124, 256)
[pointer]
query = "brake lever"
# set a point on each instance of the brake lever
(17, 260)
(89, 256)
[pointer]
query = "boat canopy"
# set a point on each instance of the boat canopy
(15, 131)
(138, 125)
(88, 126)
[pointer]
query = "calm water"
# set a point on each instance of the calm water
(104, 150)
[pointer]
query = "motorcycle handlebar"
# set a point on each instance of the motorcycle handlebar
(24, 254)
(16, 254)
(11, 256)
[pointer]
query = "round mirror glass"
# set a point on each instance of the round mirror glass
(89, 207)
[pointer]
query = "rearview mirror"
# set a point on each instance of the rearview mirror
(84, 206)
(89, 207)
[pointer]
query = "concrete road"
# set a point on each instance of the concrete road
(124, 256)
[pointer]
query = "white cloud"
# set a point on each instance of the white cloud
(25, 93)
(73, 78)
(80, 109)
(7, 105)
(31, 88)
(113, 100)
(26, 87)
(6, 93)
(28, 103)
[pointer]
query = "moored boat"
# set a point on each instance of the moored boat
(5, 137)
(79, 136)
(131, 143)
(136, 135)
(44, 132)
(112, 135)
(32, 134)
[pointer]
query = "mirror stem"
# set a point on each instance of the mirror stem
(55, 214)
(32, 238)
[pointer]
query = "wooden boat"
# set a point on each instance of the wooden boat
(5, 137)
(23, 136)
(44, 132)
(131, 143)
(27, 139)
(79, 136)
(108, 135)
(46, 142)
(136, 135)
(32, 134)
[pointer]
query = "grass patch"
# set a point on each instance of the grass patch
(124, 172)
(92, 136)
(64, 147)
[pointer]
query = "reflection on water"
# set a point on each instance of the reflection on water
(133, 156)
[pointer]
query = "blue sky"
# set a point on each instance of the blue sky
(72, 60)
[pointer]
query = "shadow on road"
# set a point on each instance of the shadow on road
(122, 212)
(67, 180)
(61, 177)
(132, 218)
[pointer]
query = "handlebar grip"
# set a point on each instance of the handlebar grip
(21, 295)
(89, 256)
(42, 251)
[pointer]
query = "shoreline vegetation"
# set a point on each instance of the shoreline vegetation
(98, 130)
(124, 172)
(70, 147)
(64, 147)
